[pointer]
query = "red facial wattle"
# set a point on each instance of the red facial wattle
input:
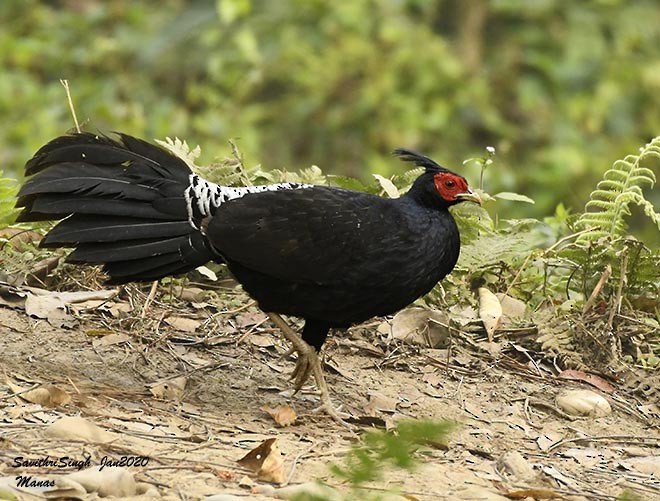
(450, 185)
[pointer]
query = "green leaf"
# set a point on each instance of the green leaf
(350, 183)
(365, 462)
(8, 190)
(230, 10)
(515, 197)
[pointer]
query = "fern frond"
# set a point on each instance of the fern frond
(649, 210)
(181, 149)
(603, 204)
(602, 194)
(621, 186)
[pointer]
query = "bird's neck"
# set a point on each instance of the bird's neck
(203, 197)
(424, 194)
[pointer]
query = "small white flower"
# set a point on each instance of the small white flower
(490, 150)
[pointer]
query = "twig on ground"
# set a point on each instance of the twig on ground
(295, 463)
(616, 308)
(150, 298)
(599, 286)
(251, 331)
(626, 439)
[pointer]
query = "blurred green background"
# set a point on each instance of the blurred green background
(560, 88)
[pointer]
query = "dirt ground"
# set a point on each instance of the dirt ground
(186, 390)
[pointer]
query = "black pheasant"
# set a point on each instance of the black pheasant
(332, 256)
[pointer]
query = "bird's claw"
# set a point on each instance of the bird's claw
(334, 413)
(303, 369)
(309, 364)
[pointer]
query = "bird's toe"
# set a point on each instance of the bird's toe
(303, 370)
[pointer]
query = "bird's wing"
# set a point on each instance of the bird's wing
(315, 235)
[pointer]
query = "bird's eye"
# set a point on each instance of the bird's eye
(449, 183)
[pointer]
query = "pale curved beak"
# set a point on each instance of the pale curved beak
(468, 196)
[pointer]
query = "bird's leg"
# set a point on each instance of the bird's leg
(306, 353)
(308, 364)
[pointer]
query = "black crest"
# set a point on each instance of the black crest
(419, 160)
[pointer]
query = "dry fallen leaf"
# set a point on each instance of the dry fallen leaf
(65, 488)
(379, 402)
(183, 324)
(41, 269)
(12, 297)
(309, 490)
(71, 297)
(592, 379)
(255, 458)
(121, 309)
(537, 494)
(49, 307)
(547, 439)
(77, 428)
(111, 340)
(586, 457)
(511, 306)
(106, 481)
(250, 318)
(421, 326)
(266, 461)
(273, 468)
(388, 186)
(20, 239)
(647, 465)
(261, 340)
(172, 389)
(282, 414)
(514, 464)
(52, 305)
(246, 482)
(207, 273)
(490, 311)
(583, 403)
(474, 492)
(191, 294)
(48, 395)
(89, 305)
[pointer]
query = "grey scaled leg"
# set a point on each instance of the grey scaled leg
(308, 364)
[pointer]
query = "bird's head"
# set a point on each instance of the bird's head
(438, 186)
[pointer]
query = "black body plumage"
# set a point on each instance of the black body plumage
(332, 256)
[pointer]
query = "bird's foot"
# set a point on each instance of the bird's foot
(307, 358)
(307, 355)
(326, 406)
(308, 364)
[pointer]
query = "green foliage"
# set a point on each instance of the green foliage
(554, 86)
(378, 449)
(622, 185)
(628, 495)
(509, 245)
(585, 264)
(604, 240)
(8, 190)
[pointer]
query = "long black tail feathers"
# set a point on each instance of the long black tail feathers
(123, 202)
